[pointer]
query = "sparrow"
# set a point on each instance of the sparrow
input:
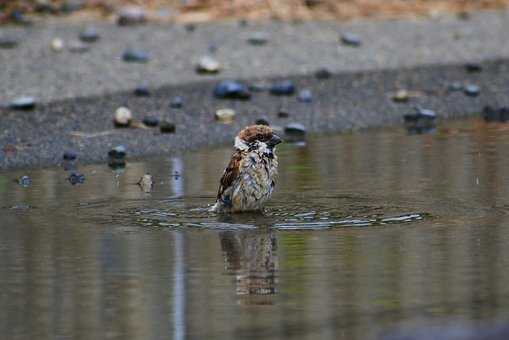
(249, 179)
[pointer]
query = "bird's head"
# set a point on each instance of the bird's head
(257, 137)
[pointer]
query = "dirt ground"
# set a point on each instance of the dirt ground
(212, 10)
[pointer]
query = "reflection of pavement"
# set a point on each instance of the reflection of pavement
(251, 256)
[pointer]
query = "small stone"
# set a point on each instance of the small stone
(57, 44)
(423, 120)
(305, 96)
(208, 65)
(491, 114)
(401, 96)
(70, 156)
(295, 132)
(258, 39)
(146, 183)
(78, 47)
(225, 115)
(228, 89)
(151, 121)
(177, 103)
(135, 56)
(76, 178)
(116, 157)
(282, 88)
(473, 67)
(123, 117)
(323, 73)
(190, 27)
(283, 113)
(351, 39)
(142, 90)
(472, 90)
(131, 15)
(167, 127)
(262, 121)
(24, 181)
(23, 103)
(89, 35)
(8, 41)
(455, 86)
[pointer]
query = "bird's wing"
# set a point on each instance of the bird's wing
(230, 174)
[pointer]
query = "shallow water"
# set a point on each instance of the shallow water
(367, 232)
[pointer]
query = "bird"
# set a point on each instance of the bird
(250, 177)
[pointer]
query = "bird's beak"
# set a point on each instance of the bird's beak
(275, 140)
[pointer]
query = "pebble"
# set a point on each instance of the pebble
(57, 44)
(262, 121)
(422, 121)
(401, 96)
(146, 183)
(455, 86)
(283, 113)
(142, 91)
(351, 39)
(305, 96)
(177, 102)
(229, 89)
(89, 35)
(76, 178)
(116, 157)
(78, 47)
(473, 67)
(491, 114)
(282, 88)
(420, 114)
(167, 127)
(295, 132)
(323, 73)
(123, 117)
(225, 115)
(8, 41)
(258, 39)
(151, 121)
(70, 156)
(208, 65)
(135, 56)
(23, 103)
(24, 181)
(131, 15)
(472, 90)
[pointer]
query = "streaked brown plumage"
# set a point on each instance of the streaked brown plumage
(249, 179)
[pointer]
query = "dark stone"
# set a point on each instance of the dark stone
(142, 91)
(420, 114)
(455, 86)
(135, 56)
(229, 89)
(23, 103)
(70, 156)
(472, 90)
(24, 181)
(323, 73)
(89, 35)
(258, 39)
(116, 157)
(76, 178)
(351, 39)
(491, 114)
(262, 121)
(305, 96)
(167, 127)
(177, 102)
(422, 121)
(473, 67)
(283, 113)
(151, 121)
(282, 88)
(295, 132)
(8, 41)
(130, 16)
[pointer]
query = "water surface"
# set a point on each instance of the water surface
(367, 231)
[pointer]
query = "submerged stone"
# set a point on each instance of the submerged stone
(8, 41)
(225, 115)
(89, 35)
(305, 96)
(351, 39)
(146, 183)
(258, 39)
(24, 181)
(167, 127)
(177, 102)
(135, 56)
(282, 88)
(472, 90)
(23, 103)
(208, 65)
(76, 178)
(151, 121)
(123, 117)
(131, 15)
(229, 89)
